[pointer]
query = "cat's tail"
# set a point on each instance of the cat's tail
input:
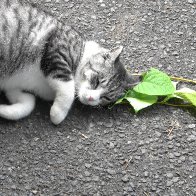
(22, 105)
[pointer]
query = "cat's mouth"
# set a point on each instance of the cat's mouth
(89, 101)
(89, 97)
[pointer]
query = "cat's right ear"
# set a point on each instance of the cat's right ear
(131, 80)
(113, 53)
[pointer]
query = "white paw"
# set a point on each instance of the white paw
(57, 115)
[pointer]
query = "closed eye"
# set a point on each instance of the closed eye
(95, 82)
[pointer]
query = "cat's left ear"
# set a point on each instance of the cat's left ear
(131, 80)
(114, 53)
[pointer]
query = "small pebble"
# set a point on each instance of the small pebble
(191, 138)
(169, 175)
(169, 183)
(87, 165)
(111, 172)
(191, 1)
(191, 126)
(125, 178)
(86, 173)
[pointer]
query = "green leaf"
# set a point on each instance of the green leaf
(155, 82)
(139, 101)
(187, 95)
(119, 101)
(174, 84)
(168, 97)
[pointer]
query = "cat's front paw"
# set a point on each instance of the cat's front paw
(57, 115)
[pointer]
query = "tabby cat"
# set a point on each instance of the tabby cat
(40, 55)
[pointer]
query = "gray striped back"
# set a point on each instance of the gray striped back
(28, 35)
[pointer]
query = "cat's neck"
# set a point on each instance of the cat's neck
(90, 48)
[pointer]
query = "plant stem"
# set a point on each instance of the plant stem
(182, 79)
(174, 78)
(174, 105)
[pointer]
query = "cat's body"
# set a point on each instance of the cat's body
(42, 56)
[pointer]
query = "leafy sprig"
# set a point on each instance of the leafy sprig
(157, 87)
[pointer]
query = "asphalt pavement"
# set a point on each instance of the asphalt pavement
(112, 152)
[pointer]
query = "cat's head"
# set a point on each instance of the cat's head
(103, 78)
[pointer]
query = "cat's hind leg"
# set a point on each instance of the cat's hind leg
(22, 104)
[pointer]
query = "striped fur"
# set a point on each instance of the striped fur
(40, 55)
(27, 33)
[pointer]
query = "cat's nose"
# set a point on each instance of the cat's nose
(90, 99)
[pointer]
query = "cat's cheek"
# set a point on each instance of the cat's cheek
(57, 115)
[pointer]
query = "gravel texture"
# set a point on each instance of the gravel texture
(112, 152)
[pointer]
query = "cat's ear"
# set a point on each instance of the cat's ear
(114, 53)
(131, 80)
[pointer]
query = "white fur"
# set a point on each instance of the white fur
(12, 21)
(22, 105)
(83, 87)
(91, 48)
(88, 74)
(85, 93)
(39, 35)
(30, 79)
(63, 100)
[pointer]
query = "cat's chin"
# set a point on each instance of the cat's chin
(91, 103)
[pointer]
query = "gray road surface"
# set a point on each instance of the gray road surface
(112, 152)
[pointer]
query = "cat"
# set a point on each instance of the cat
(42, 56)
